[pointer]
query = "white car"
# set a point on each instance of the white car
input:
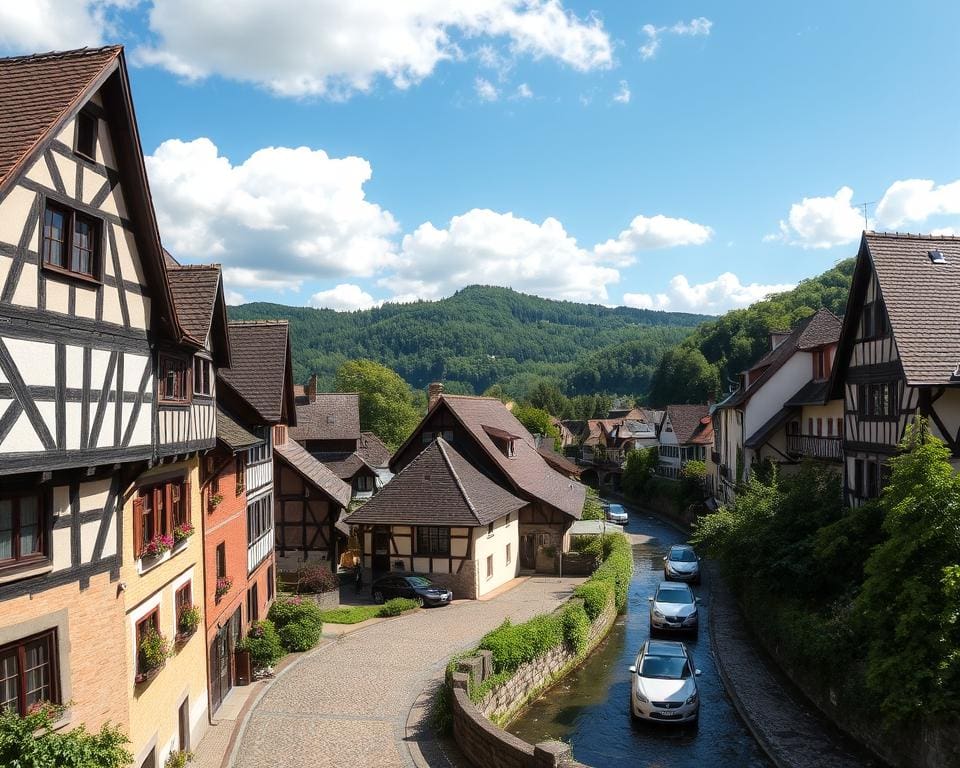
(681, 563)
(663, 683)
(674, 608)
(617, 514)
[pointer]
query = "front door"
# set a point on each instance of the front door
(221, 676)
(528, 550)
(381, 549)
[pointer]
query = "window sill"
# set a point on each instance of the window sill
(26, 570)
(80, 277)
(146, 563)
(174, 403)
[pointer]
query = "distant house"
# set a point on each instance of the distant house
(686, 434)
(482, 433)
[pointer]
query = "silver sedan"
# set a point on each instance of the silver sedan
(674, 608)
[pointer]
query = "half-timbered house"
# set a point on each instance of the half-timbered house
(899, 352)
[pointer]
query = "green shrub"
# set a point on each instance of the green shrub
(592, 506)
(178, 759)
(595, 593)
(576, 627)
(516, 644)
(286, 610)
(350, 615)
(264, 644)
(617, 567)
(300, 635)
(396, 606)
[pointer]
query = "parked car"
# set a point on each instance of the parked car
(681, 564)
(413, 586)
(664, 683)
(617, 514)
(674, 608)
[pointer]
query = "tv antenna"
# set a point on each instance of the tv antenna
(866, 221)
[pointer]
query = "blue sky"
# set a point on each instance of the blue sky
(677, 155)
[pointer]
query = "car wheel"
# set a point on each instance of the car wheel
(419, 601)
(378, 597)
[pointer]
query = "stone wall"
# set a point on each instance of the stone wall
(487, 745)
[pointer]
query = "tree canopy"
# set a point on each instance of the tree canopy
(386, 402)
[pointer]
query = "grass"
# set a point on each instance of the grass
(353, 615)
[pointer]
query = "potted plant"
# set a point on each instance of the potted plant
(187, 622)
(178, 759)
(182, 532)
(214, 501)
(224, 584)
(159, 544)
(154, 651)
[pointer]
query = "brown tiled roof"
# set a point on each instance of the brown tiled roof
(921, 300)
(37, 91)
(527, 469)
(345, 466)
(821, 329)
(332, 416)
(195, 288)
(439, 487)
(558, 462)
(314, 472)
(234, 436)
(258, 372)
(686, 421)
(373, 450)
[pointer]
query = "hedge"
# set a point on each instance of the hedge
(595, 595)
(299, 622)
(300, 635)
(616, 568)
(396, 606)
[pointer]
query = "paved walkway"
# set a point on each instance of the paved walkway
(354, 701)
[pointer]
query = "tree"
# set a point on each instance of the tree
(547, 396)
(536, 420)
(386, 401)
(684, 376)
(910, 599)
(638, 469)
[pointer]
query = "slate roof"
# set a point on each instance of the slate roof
(346, 465)
(311, 470)
(373, 450)
(36, 91)
(231, 434)
(690, 423)
(332, 416)
(527, 469)
(811, 393)
(439, 487)
(258, 368)
(921, 300)
(195, 288)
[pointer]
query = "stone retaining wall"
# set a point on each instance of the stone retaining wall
(487, 745)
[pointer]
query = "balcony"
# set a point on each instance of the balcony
(814, 447)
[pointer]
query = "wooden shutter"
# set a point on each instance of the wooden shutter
(137, 525)
(186, 502)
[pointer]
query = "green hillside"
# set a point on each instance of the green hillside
(486, 335)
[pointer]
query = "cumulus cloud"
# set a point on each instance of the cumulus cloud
(485, 90)
(331, 48)
(697, 27)
(910, 201)
(821, 222)
(277, 218)
(345, 297)
(646, 233)
(622, 96)
(45, 25)
(487, 247)
(712, 297)
(524, 91)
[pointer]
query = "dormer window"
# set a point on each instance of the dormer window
(173, 384)
(202, 376)
(86, 143)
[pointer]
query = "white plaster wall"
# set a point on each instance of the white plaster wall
(495, 545)
(779, 388)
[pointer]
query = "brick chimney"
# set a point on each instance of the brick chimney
(311, 388)
(433, 393)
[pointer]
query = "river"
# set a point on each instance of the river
(590, 708)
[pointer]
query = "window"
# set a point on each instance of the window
(174, 384)
(489, 566)
(490, 529)
(28, 672)
(241, 474)
(259, 518)
(270, 586)
(259, 452)
(427, 437)
(221, 560)
(364, 483)
(202, 379)
(71, 241)
(876, 401)
(509, 554)
(869, 478)
(829, 427)
(183, 599)
(874, 320)
(819, 427)
(253, 603)
(839, 427)
(149, 623)
(86, 144)
(810, 425)
(820, 364)
(432, 540)
(23, 535)
(158, 509)
(508, 522)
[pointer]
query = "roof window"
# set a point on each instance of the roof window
(937, 257)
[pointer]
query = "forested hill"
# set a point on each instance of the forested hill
(703, 365)
(486, 335)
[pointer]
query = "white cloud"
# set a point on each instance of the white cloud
(524, 92)
(712, 297)
(345, 297)
(333, 48)
(697, 27)
(915, 200)
(281, 216)
(622, 96)
(822, 222)
(487, 247)
(646, 233)
(29, 26)
(486, 91)
(234, 297)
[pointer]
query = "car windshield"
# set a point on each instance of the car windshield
(419, 581)
(674, 595)
(616, 509)
(679, 555)
(665, 667)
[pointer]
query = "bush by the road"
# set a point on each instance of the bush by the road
(300, 635)
(396, 606)
(264, 644)
(595, 594)
(298, 620)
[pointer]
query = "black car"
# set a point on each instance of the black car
(416, 587)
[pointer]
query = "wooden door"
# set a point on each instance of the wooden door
(381, 549)
(528, 550)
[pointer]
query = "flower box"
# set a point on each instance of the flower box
(157, 546)
(224, 585)
(182, 532)
(181, 637)
(147, 675)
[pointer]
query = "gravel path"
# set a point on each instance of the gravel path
(348, 702)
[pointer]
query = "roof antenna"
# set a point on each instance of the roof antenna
(866, 222)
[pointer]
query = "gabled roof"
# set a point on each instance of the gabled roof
(332, 416)
(765, 430)
(812, 393)
(232, 434)
(198, 295)
(313, 472)
(560, 463)
(39, 95)
(373, 450)
(921, 299)
(691, 423)
(527, 471)
(439, 487)
(261, 371)
(345, 466)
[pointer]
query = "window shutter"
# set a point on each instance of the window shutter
(186, 501)
(137, 525)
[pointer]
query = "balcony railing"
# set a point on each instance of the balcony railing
(814, 447)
